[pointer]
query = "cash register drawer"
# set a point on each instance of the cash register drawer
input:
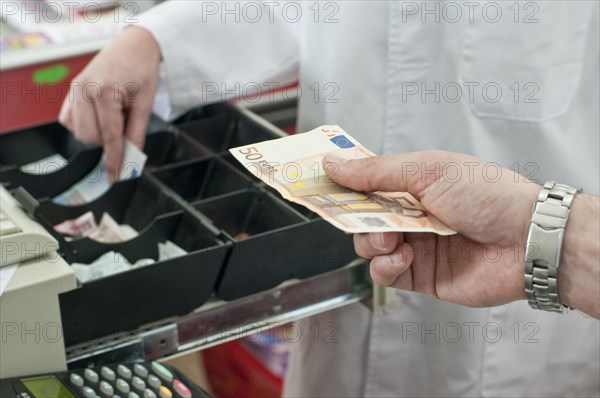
(241, 237)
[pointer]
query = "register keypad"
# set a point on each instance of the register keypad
(137, 381)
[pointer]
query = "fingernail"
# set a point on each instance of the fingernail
(377, 241)
(395, 259)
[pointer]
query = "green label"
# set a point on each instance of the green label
(50, 74)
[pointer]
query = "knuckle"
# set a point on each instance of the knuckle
(371, 162)
(110, 136)
(105, 84)
(65, 119)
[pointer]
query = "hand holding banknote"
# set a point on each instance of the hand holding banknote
(489, 207)
(125, 74)
(292, 166)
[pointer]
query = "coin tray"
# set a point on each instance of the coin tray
(192, 192)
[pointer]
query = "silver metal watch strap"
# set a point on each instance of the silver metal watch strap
(544, 242)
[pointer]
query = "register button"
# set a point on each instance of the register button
(164, 392)
(162, 372)
(182, 389)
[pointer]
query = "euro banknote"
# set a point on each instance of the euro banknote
(96, 183)
(293, 167)
(107, 231)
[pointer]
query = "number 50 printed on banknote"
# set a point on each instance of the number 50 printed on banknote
(292, 166)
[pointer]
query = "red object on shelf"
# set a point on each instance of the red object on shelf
(29, 98)
(233, 371)
(289, 129)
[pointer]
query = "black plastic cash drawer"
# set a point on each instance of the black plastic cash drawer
(241, 237)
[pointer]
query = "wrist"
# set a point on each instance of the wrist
(143, 39)
(527, 199)
(578, 273)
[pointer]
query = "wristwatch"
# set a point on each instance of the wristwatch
(544, 242)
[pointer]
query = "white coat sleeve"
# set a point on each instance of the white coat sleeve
(213, 51)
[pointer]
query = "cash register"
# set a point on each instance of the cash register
(32, 339)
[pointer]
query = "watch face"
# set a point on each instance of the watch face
(46, 387)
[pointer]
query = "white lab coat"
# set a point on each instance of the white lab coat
(545, 124)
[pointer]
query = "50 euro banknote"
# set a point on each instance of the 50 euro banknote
(293, 167)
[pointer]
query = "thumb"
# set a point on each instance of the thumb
(377, 173)
(389, 173)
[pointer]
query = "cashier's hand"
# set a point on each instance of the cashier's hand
(112, 97)
(482, 265)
